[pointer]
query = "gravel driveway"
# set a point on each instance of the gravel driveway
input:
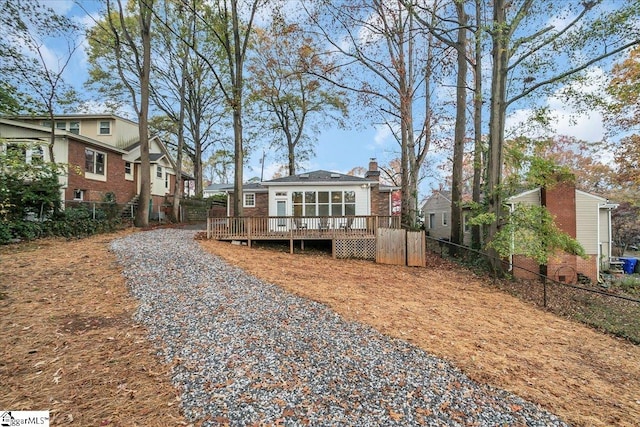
(244, 352)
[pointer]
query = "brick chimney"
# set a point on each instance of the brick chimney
(373, 173)
(560, 200)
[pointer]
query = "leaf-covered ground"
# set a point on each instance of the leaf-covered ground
(71, 346)
(584, 376)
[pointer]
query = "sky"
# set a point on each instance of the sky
(340, 150)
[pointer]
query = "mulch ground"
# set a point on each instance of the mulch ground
(586, 377)
(71, 346)
(69, 342)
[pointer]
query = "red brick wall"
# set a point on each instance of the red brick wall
(375, 197)
(560, 201)
(525, 268)
(588, 267)
(564, 265)
(261, 209)
(95, 190)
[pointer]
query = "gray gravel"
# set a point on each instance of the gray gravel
(245, 351)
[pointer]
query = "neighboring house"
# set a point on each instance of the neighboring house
(436, 212)
(101, 152)
(216, 189)
(318, 194)
(583, 216)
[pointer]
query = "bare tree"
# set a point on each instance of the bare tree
(383, 48)
(25, 63)
(121, 43)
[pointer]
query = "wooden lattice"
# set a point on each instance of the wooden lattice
(355, 248)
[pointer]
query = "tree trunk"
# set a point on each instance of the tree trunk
(460, 128)
(177, 191)
(52, 140)
(478, 164)
(197, 167)
(499, 37)
(142, 216)
(237, 76)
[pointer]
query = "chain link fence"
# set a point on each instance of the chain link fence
(612, 305)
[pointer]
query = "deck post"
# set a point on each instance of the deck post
(333, 248)
(291, 245)
(208, 228)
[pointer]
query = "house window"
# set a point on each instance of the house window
(432, 221)
(323, 203)
(127, 168)
(61, 125)
(104, 128)
(465, 220)
(78, 194)
(445, 218)
(37, 155)
(94, 161)
(249, 200)
(159, 172)
(74, 127)
(166, 180)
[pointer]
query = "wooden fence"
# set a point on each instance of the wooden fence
(400, 247)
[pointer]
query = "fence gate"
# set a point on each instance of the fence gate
(416, 249)
(400, 247)
(391, 246)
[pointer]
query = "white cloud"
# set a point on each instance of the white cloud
(61, 7)
(382, 136)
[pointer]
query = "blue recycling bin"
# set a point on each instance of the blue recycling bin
(629, 264)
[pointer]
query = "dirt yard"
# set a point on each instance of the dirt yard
(71, 346)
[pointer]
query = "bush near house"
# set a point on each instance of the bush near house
(31, 205)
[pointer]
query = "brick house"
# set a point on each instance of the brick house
(585, 217)
(318, 194)
(101, 153)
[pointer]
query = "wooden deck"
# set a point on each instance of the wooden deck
(298, 228)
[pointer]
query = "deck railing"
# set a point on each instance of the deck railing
(288, 227)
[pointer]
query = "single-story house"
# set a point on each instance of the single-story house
(318, 194)
(436, 212)
(216, 189)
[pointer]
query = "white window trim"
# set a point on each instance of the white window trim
(81, 192)
(96, 176)
(70, 130)
(128, 175)
(158, 171)
(244, 200)
(100, 127)
(445, 219)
